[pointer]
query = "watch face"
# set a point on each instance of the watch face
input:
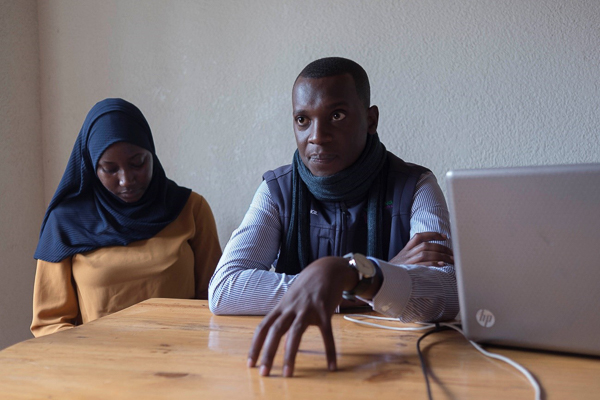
(364, 266)
(366, 271)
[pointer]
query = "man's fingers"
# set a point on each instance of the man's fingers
(277, 330)
(260, 333)
(292, 344)
(421, 237)
(431, 258)
(327, 333)
(434, 247)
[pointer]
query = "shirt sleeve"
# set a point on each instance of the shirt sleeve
(416, 292)
(205, 245)
(55, 305)
(244, 271)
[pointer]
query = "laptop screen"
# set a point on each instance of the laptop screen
(526, 247)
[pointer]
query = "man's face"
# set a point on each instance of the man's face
(331, 123)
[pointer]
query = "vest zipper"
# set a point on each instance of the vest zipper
(343, 228)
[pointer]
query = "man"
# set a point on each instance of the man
(343, 193)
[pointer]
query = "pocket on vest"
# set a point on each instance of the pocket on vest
(325, 247)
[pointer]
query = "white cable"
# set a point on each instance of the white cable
(517, 366)
(352, 317)
(373, 317)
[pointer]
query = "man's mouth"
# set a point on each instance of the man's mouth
(321, 158)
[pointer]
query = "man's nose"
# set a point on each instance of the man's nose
(319, 133)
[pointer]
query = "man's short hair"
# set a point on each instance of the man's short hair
(334, 66)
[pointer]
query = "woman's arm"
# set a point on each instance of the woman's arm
(205, 245)
(55, 305)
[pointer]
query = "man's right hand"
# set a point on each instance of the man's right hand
(311, 300)
(420, 251)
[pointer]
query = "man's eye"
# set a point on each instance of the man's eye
(301, 121)
(338, 116)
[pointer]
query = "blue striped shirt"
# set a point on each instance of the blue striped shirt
(244, 282)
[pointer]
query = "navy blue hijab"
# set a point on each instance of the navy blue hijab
(83, 215)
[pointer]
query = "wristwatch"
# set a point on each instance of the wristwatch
(366, 272)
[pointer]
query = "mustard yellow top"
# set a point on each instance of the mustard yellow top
(176, 263)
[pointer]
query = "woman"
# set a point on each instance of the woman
(117, 231)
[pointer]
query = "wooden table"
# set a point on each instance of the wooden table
(176, 349)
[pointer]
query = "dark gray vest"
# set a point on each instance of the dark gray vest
(337, 229)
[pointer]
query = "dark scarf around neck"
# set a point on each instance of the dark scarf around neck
(366, 177)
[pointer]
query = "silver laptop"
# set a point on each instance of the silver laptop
(527, 255)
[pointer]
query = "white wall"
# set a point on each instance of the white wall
(460, 84)
(21, 191)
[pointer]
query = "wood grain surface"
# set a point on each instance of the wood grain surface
(176, 349)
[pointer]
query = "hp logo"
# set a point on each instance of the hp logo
(485, 318)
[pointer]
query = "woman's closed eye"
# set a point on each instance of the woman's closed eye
(109, 170)
(138, 164)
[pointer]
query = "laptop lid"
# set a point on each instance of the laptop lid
(527, 255)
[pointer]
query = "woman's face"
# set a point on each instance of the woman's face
(125, 170)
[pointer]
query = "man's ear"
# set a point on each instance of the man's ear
(373, 119)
